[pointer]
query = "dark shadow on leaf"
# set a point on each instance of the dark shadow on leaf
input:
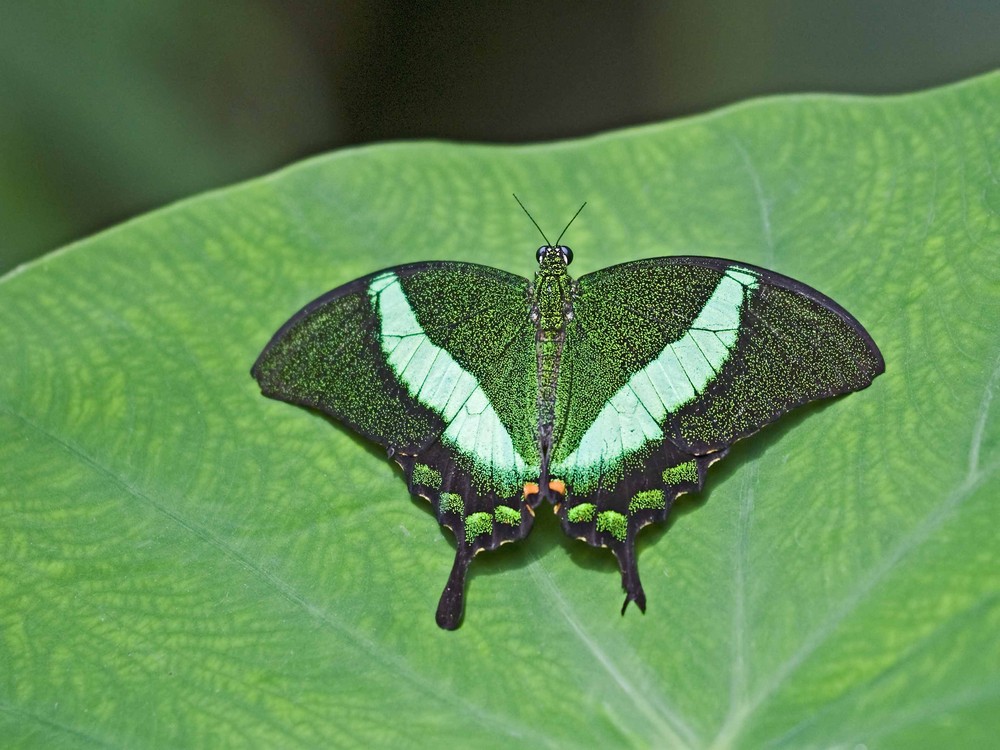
(741, 454)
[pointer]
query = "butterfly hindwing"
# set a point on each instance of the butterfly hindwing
(434, 361)
(611, 515)
(670, 360)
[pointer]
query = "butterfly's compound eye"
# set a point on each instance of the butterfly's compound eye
(541, 253)
(567, 254)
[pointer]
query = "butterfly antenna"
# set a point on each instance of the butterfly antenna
(570, 222)
(547, 243)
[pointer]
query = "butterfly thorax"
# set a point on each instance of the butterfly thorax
(551, 313)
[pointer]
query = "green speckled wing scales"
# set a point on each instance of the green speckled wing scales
(436, 362)
(667, 362)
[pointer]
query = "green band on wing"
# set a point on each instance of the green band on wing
(507, 515)
(477, 524)
(647, 500)
(635, 414)
(425, 475)
(613, 522)
(435, 379)
(580, 513)
(452, 503)
(685, 472)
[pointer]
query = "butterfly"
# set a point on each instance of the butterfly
(606, 396)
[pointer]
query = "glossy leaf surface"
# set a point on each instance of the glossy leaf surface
(177, 547)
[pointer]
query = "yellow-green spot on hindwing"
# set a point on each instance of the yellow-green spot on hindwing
(425, 475)
(613, 522)
(507, 515)
(477, 524)
(452, 503)
(647, 500)
(685, 472)
(581, 513)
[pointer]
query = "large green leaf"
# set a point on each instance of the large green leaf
(186, 563)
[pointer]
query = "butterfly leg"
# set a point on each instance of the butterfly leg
(452, 603)
(625, 553)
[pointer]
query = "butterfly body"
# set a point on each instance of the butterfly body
(552, 312)
(606, 396)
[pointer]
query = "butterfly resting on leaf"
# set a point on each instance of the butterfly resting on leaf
(605, 396)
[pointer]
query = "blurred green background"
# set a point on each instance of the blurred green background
(109, 108)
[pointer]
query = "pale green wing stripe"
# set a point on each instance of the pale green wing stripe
(635, 414)
(436, 380)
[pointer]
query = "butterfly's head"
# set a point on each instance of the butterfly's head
(552, 256)
(559, 254)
